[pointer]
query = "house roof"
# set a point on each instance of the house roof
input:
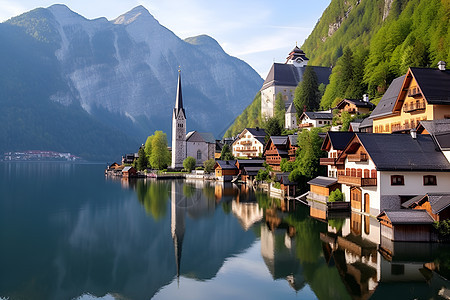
(279, 140)
(195, 136)
(293, 139)
(249, 162)
(323, 181)
(356, 102)
(403, 153)
(127, 169)
(434, 84)
(408, 216)
(226, 164)
(250, 170)
(338, 139)
(290, 75)
(291, 109)
(367, 122)
(434, 126)
(438, 202)
(314, 115)
(257, 132)
(387, 102)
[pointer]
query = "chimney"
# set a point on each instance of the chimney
(441, 65)
(413, 133)
(257, 128)
(366, 98)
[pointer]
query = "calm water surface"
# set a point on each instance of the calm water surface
(67, 232)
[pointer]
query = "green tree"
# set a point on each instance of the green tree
(286, 166)
(272, 127)
(279, 110)
(209, 165)
(142, 162)
(336, 196)
(148, 148)
(160, 156)
(189, 163)
(307, 92)
(226, 153)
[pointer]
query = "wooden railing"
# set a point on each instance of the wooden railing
(414, 92)
(357, 157)
(356, 181)
(327, 161)
(305, 125)
(413, 106)
(271, 152)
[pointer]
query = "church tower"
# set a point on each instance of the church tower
(178, 129)
(290, 118)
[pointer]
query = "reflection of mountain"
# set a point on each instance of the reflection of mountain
(100, 240)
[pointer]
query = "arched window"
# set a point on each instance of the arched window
(199, 154)
(373, 174)
(366, 173)
(359, 173)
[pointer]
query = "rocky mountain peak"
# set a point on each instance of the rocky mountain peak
(204, 41)
(137, 13)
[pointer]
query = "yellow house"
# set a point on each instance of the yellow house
(421, 94)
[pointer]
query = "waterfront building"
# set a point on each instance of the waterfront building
(276, 149)
(201, 146)
(225, 170)
(249, 143)
(421, 94)
(334, 143)
(284, 78)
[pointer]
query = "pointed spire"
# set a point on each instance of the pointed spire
(179, 99)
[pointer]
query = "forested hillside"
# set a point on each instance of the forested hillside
(371, 42)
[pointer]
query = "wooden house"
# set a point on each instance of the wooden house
(129, 172)
(292, 146)
(321, 187)
(276, 149)
(225, 170)
(287, 186)
(248, 168)
(437, 205)
(352, 106)
(334, 143)
(421, 94)
(409, 225)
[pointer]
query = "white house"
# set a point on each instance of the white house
(380, 171)
(250, 143)
(311, 119)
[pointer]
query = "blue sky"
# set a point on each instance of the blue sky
(256, 31)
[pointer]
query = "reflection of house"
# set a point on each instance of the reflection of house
(248, 213)
(380, 169)
(250, 143)
(411, 225)
(356, 106)
(201, 146)
(437, 205)
(422, 94)
(311, 119)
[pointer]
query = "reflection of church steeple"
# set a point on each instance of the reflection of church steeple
(177, 228)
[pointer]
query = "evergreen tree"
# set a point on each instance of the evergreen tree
(142, 161)
(307, 92)
(279, 109)
(160, 157)
(272, 128)
(226, 153)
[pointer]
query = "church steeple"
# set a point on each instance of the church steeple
(178, 129)
(179, 98)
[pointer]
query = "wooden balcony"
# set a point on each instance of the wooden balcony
(413, 106)
(414, 92)
(356, 181)
(328, 161)
(292, 152)
(306, 125)
(357, 157)
(247, 150)
(271, 152)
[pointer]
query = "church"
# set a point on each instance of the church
(284, 78)
(199, 145)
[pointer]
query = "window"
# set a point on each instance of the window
(429, 180)
(320, 122)
(397, 180)
(199, 154)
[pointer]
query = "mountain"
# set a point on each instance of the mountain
(98, 88)
(369, 43)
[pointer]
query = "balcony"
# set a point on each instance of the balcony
(328, 161)
(246, 150)
(414, 92)
(271, 152)
(356, 181)
(292, 152)
(306, 125)
(357, 157)
(413, 106)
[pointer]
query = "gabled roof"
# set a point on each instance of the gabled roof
(226, 164)
(407, 216)
(291, 109)
(257, 132)
(290, 75)
(293, 139)
(400, 152)
(337, 139)
(434, 126)
(316, 115)
(434, 84)
(323, 181)
(127, 169)
(279, 140)
(249, 162)
(386, 105)
(438, 202)
(367, 122)
(357, 103)
(205, 137)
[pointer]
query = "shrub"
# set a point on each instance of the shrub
(336, 196)
(443, 227)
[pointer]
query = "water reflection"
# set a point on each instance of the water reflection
(67, 232)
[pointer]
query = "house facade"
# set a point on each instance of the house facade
(201, 146)
(250, 143)
(421, 94)
(310, 119)
(353, 106)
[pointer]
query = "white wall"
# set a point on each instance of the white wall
(268, 96)
(414, 183)
(247, 138)
(193, 147)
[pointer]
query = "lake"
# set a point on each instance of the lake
(69, 232)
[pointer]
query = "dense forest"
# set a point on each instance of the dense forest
(369, 43)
